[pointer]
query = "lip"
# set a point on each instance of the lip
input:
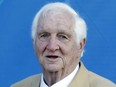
(52, 58)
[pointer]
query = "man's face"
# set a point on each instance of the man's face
(55, 44)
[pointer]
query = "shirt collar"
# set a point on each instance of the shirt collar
(65, 82)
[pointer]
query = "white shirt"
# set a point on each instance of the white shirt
(62, 83)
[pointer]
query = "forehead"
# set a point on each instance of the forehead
(56, 19)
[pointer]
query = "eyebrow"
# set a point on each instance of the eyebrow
(41, 32)
(59, 31)
(64, 32)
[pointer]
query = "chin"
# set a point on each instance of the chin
(53, 68)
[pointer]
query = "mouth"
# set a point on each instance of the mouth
(52, 59)
(52, 56)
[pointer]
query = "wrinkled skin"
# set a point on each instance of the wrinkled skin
(56, 47)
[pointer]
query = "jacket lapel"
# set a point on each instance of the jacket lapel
(36, 82)
(81, 78)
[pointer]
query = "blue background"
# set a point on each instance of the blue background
(17, 57)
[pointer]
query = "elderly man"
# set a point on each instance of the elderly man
(59, 37)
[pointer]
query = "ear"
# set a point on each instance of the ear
(82, 43)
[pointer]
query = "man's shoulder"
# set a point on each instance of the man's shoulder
(31, 81)
(99, 81)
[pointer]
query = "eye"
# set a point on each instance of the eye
(62, 36)
(43, 36)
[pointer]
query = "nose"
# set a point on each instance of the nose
(52, 45)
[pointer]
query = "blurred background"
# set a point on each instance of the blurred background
(17, 57)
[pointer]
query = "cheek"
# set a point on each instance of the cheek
(40, 47)
(72, 54)
(75, 51)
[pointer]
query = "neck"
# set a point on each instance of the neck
(51, 78)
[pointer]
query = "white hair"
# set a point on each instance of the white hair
(79, 27)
